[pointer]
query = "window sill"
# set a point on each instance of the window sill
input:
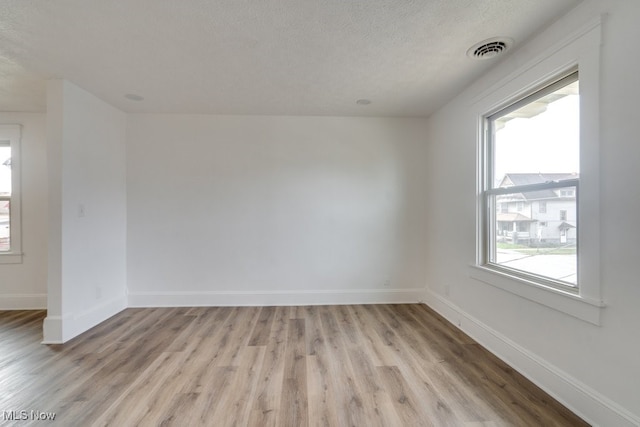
(574, 305)
(11, 258)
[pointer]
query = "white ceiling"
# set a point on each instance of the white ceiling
(307, 57)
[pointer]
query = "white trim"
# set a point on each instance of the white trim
(60, 329)
(76, 324)
(581, 49)
(583, 308)
(587, 28)
(265, 298)
(52, 330)
(11, 257)
(23, 302)
(592, 406)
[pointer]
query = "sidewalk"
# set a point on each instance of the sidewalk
(558, 267)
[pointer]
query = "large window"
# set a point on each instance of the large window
(538, 144)
(532, 159)
(10, 242)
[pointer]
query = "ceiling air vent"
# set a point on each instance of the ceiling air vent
(490, 48)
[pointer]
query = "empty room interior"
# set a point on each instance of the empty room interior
(337, 212)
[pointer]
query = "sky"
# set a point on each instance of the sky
(548, 142)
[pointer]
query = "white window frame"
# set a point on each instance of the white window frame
(579, 51)
(490, 191)
(12, 134)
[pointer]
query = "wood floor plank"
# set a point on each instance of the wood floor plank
(350, 396)
(262, 330)
(376, 401)
(346, 399)
(235, 405)
(294, 406)
(236, 335)
(379, 354)
(214, 384)
(264, 411)
(434, 382)
(386, 365)
(406, 404)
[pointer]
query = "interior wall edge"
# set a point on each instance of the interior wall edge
(60, 329)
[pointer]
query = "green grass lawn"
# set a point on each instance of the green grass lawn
(527, 250)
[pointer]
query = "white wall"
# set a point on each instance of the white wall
(274, 210)
(595, 370)
(24, 286)
(87, 172)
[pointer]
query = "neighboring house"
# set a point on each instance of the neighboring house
(537, 217)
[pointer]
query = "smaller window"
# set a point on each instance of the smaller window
(542, 223)
(563, 215)
(542, 207)
(5, 195)
(10, 242)
(520, 206)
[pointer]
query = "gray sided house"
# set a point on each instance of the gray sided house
(545, 217)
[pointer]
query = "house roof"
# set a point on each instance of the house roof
(565, 225)
(512, 179)
(534, 178)
(513, 217)
(540, 195)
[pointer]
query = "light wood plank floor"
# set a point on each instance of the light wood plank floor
(382, 365)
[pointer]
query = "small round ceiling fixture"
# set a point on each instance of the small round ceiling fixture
(133, 97)
(363, 102)
(490, 48)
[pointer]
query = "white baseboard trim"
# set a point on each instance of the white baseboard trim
(60, 329)
(23, 302)
(87, 319)
(228, 298)
(593, 407)
(52, 330)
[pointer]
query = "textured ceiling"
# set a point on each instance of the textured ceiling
(311, 57)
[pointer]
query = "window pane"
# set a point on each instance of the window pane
(541, 137)
(541, 243)
(5, 170)
(535, 142)
(5, 243)
(5, 193)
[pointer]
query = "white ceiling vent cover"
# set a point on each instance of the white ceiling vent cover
(490, 48)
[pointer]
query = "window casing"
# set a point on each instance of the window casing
(10, 203)
(579, 50)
